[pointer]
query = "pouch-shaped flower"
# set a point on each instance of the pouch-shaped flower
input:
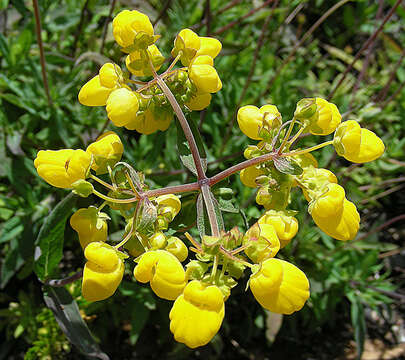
(342, 225)
(61, 168)
(357, 144)
(163, 271)
(129, 24)
(326, 118)
(102, 273)
(90, 225)
(286, 226)
(279, 286)
(106, 150)
(197, 314)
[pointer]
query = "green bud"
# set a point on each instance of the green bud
(82, 188)
(305, 108)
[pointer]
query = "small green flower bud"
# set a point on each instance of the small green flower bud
(82, 188)
(305, 108)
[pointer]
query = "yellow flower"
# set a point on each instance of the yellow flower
(102, 273)
(326, 118)
(188, 43)
(93, 93)
(199, 102)
(263, 242)
(280, 286)
(248, 176)
(110, 76)
(251, 119)
(148, 123)
(158, 240)
(356, 144)
(203, 75)
(90, 225)
(343, 225)
(139, 66)
(169, 205)
(163, 271)
(209, 46)
(286, 226)
(197, 314)
(329, 203)
(177, 247)
(61, 168)
(128, 25)
(315, 180)
(106, 150)
(122, 106)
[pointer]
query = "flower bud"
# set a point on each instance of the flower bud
(356, 144)
(169, 205)
(199, 102)
(251, 119)
(177, 247)
(209, 46)
(197, 314)
(343, 225)
(280, 287)
(90, 225)
(164, 272)
(61, 168)
(82, 188)
(188, 43)
(286, 226)
(102, 273)
(139, 66)
(263, 242)
(128, 25)
(306, 108)
(106, 150)
(248, 176)
(158, 240)
(263, 196)
(122, 106)
(326, 118)
(93, 93)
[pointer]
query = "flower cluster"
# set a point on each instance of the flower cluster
(200, 289)
(328, 206)
(146, 109)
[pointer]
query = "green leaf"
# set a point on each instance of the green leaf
(200, 216)
(67, 314)
(11, 229)
(49, 243)
(228, 206)
(287, 166)
(11, 264)
(184, 150)
(358, 322)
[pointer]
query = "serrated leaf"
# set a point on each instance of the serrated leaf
(188, 162)
(67, 314)
(184, 150)
(200, 216)
(228, 206)
(48, 251)
(287, 166)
